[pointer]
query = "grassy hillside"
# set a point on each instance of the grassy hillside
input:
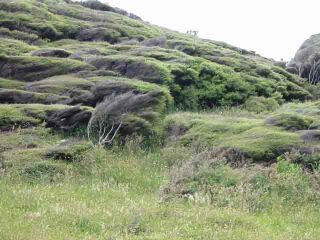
(199, 73)
(53, 188)
(210, 141)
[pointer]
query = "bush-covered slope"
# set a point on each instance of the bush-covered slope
(261, 137)
(199, 73)
(241, 162)
(80, 53)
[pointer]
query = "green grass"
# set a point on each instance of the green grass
(69, 212)
(113, 194)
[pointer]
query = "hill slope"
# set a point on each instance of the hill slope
(242, 163)
(199, 73)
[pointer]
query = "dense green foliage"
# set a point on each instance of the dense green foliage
(199, 73)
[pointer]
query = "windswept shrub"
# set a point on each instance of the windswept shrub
(261, 104)
(96, 5)
(28, 69)
(148, 70)
(120, 112)
(263, 71)
(290, 121)
(68, 118)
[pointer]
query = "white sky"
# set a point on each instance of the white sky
(272, 28)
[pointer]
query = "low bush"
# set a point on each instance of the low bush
(30, 69)
(247, 134)
(13, 116)
(263, 71)
(290, 121)
(207, 179)
(10, 84)
(134, 67)
(69, 150)
(15, 47)
(44, 172)
(291, 185)
(308, 161)
(22, 36)
(261, 104)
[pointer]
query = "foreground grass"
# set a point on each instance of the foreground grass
(114, 195)
(85, 211)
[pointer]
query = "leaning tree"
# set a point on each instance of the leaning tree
(109, 116)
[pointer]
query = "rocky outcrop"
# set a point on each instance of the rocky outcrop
(306, 62)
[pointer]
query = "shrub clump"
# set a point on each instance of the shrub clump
(261, 104)
(207, 179)
(12, 117)
(46, 171)
(59, 53)
(307, 161)
(30, 69)
(290, 121)
(126, 113)
(68, 150)
(134, 67)
(202, 169)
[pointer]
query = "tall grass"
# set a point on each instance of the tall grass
(114, 194)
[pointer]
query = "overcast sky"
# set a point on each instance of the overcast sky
(272, 28)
